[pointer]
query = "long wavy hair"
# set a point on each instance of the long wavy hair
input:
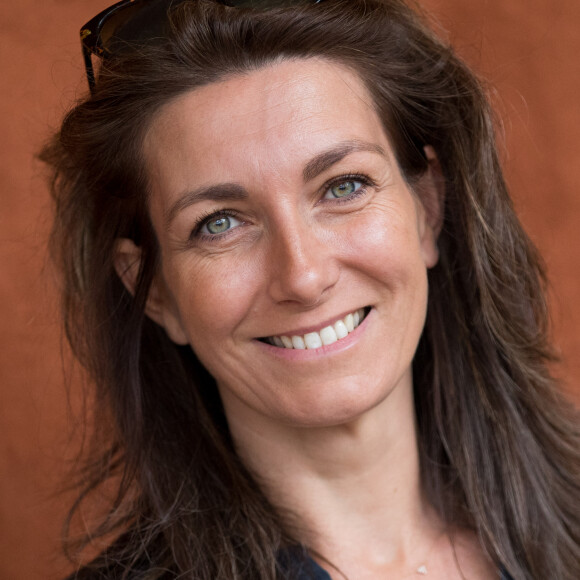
(499, 449)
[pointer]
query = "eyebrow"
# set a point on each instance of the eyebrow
(235, 192)
(219, 192)
(327, 159)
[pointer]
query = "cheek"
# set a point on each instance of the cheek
(386, 255)
(213, 296)
(385, 244)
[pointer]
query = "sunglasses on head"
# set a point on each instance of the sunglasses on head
(133, 21)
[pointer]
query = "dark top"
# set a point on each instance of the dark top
(315, 572)
(306, 568)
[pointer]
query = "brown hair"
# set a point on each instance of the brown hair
(500, 451)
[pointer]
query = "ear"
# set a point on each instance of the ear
(160, 306)
(431, 192)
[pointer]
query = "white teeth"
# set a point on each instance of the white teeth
(312, 340)
(328, 335)
(340, 329)
(349, 322)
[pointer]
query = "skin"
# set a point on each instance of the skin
(330, 433)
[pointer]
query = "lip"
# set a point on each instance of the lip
(315, 328)
(339, 346)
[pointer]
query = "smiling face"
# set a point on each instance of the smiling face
(282, 215)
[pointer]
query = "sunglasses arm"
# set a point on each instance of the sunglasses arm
(89, 68)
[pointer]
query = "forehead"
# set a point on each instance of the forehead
(272, 118)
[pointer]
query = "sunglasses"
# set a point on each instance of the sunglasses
(131, 21)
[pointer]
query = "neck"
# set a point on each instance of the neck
(353, 489)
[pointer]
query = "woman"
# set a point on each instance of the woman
(315, 326)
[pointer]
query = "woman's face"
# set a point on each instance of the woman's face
(280, 212)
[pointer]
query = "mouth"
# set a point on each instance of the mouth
(324, 336)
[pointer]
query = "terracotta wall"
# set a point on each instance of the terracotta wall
(528, 50)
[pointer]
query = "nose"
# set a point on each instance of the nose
(303, 264)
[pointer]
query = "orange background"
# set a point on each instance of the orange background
(527, 49)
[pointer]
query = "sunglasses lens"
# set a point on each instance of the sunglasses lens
(265, 4)
(112, 29)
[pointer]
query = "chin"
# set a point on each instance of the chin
(335, 404)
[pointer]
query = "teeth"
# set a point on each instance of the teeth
(313, 340)
(340, 329)
(349, 322)
(328, 335)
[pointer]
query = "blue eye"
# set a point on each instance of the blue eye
(220, 224)
(342, 189)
